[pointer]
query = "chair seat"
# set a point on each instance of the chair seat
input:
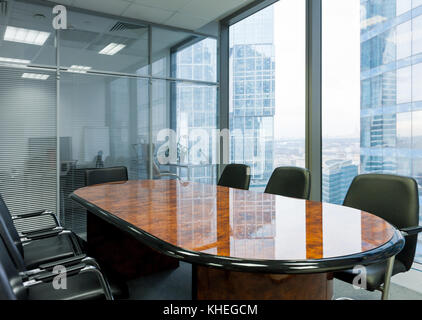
(374, 274)
(85, 286)
(47, 250)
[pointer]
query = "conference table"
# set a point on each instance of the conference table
(241, 244)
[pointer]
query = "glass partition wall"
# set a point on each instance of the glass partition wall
(28, 112)
(104, 92)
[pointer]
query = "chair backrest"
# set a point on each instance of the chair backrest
(103, 175)
(236, 176)
(6, 291)
(8, 223)
(11, 286)
(393, 198)
(291, 182)
(11, 247)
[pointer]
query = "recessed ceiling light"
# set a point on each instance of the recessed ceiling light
(12, 60)
(79, 69)
(112, 48)
(35, 76)
(26, 36)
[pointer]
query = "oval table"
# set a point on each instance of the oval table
(242, 244)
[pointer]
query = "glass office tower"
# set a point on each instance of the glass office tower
(194, 109)
(386, 135)
(338, 175)
(252, 107)
(267, 96)
(391, 80)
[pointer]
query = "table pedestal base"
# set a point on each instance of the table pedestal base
(216, 284)
(120, 254)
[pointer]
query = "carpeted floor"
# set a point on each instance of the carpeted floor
(176, 285)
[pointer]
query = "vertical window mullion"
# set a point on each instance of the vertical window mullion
(314, 94)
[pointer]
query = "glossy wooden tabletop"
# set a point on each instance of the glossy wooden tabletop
(236, 223)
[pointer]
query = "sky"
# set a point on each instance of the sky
(290, 64)
(340, 68)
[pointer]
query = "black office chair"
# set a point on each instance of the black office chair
(38, 221)
(395, 199)
(236, 176)
(84, 281)
(42, 246)
(104, 175)
(290, 182)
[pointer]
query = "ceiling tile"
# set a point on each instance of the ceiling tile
(189, 14)
(115, 7)
(172, 5)
(186, 21)
(211, 9)
(137, 11)
(65, 2)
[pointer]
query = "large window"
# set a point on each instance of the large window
(372, 78)
(267, 89)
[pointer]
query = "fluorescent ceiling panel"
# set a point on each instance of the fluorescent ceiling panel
(27, 36)
(112, 49)
(35, 76)
(79, 69)
(11, 60)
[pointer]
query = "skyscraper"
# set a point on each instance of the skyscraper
(391, 79)
(337, 175)
(252, 100)
(196, 107)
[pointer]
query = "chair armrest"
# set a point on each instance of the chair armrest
(36, 214)
(411, 231)
(64, 262)
(47, 277)
(31, 214)
(29, 233)
(79, 259)
(41, 235)
(27, 223)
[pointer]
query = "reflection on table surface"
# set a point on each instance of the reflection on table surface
(238, 223)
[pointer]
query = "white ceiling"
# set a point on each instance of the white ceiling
(86, 35)
(188, 14)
